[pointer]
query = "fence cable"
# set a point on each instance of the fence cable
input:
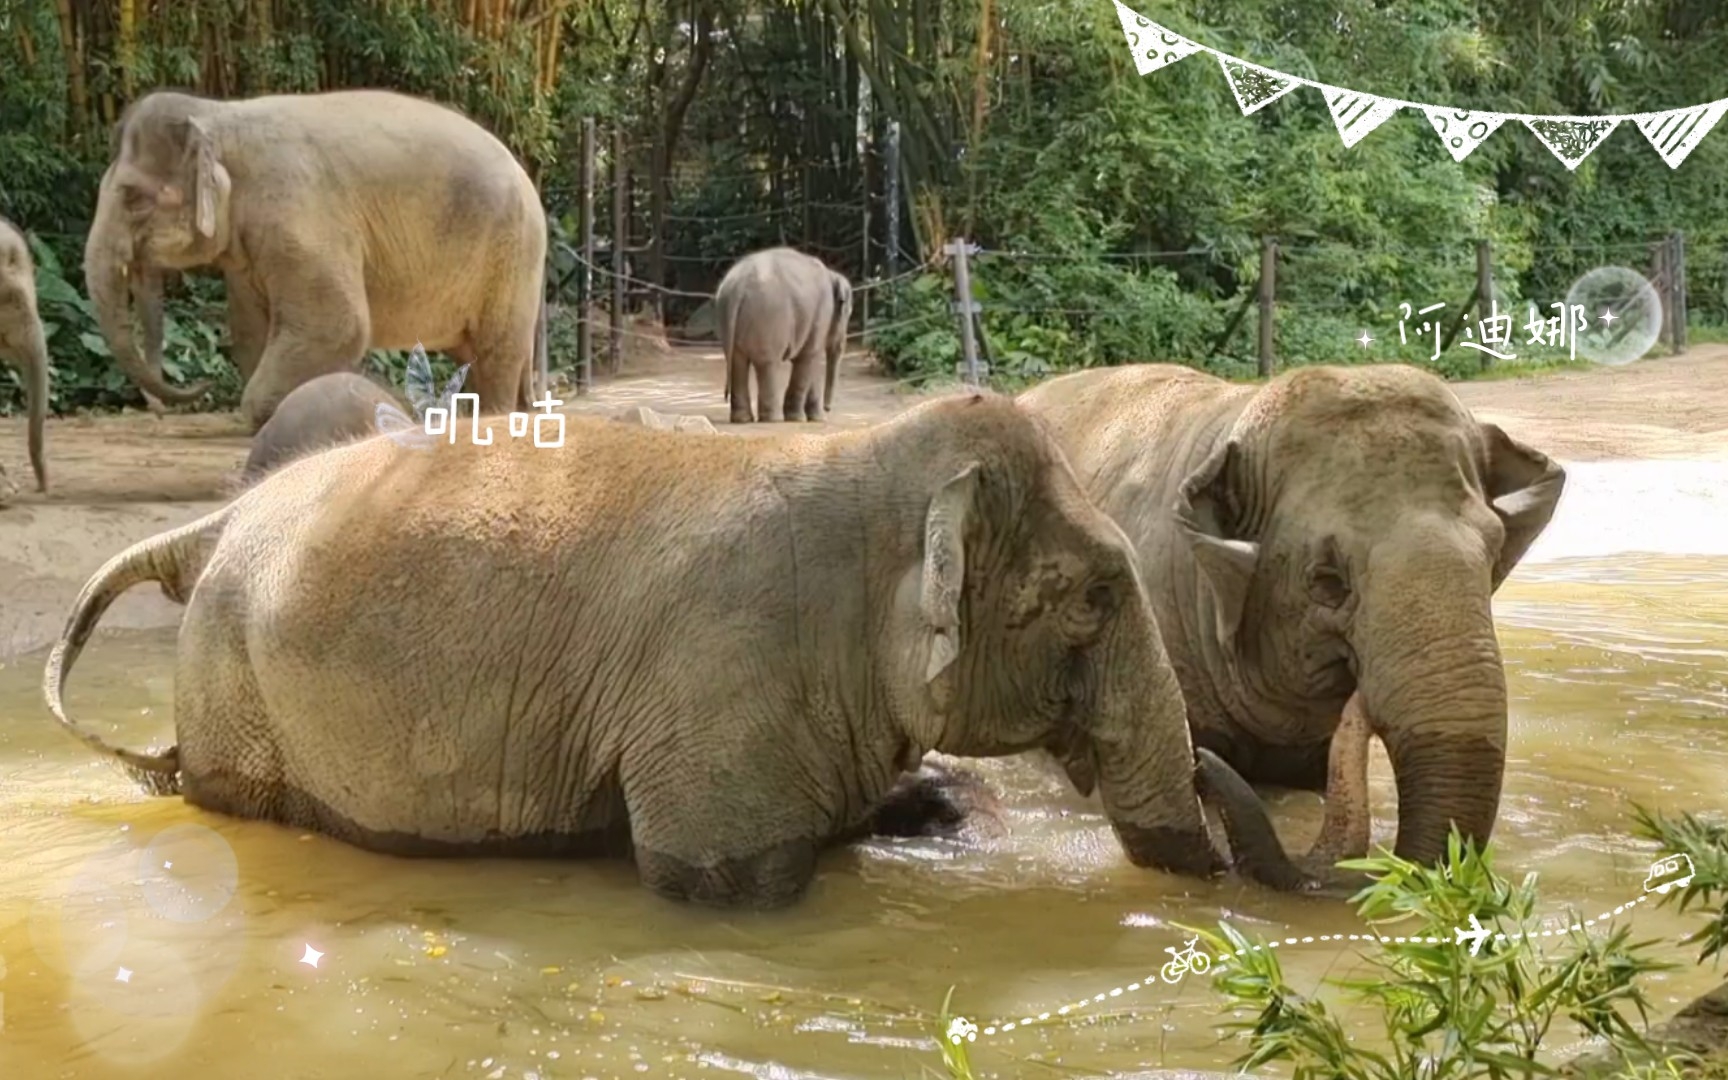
(681, 342)
(607, 272)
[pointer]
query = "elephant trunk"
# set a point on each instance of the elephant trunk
(33, 357)
(1430, 674)
(111, 292)
(1143, 755)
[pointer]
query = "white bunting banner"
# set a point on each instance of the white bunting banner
(1674, 133)
(1461, 130)
(1357, 114)
(1255, 87)
(1571, 138)
(1153, 46)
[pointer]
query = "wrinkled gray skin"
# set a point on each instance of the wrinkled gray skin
(782, 307)
(22, 342)
(718, 654)
(330, 409)
(1335, 531)
(340, 222)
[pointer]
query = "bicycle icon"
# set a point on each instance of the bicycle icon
(1188, 959)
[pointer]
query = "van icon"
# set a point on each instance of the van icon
(1666, 873)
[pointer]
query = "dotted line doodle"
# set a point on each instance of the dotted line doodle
(1192, 959)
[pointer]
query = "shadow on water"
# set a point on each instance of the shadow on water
(140, 937)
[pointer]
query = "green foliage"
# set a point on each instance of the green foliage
(1706, 844)
(83, 372)
(1446, 1014)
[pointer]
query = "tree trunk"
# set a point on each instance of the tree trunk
(70, 48)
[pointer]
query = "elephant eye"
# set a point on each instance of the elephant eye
(1326, 587)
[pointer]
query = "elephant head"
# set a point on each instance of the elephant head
(836, 340)
(1350, 530)
(22, 340)
(163, 203)
(1038, 634)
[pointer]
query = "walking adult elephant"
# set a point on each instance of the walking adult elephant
(715, 654)
(781, 306)
(22, 340)
(1336, 531)
(340, 221)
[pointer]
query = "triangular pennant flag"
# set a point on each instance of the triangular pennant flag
(1153, 46)
(1571, 140)
(1356, 114)
(1255, 87)
(1462, 130)
(1676, 132)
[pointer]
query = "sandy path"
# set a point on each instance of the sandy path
(120, 478)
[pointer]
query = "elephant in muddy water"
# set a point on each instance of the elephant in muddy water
(331, 409)
(781, 306)
(1334, 532)
(340, 222)
(22, 340)
(717, 655)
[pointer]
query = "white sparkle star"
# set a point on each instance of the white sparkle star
(1364, 339)
(124, 976)
(1608, 316)
(312, 956)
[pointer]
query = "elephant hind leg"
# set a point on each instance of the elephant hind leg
(803, 399)
(738, 365)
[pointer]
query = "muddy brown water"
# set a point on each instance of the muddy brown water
(143, 938)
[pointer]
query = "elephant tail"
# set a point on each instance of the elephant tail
(842, 317)
(542, 372)
(175, 559)
(723, 317)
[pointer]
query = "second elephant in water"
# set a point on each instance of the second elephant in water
(330, 409)
(782, 308)
(1335, 532)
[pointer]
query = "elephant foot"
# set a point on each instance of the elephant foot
(742, 416)
(934, 801)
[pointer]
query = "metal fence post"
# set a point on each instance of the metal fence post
(965, 307)
(620, 238)
(584, 325)
(1677, 255)
(892, 168)
(1484, 289)
(1268, 294)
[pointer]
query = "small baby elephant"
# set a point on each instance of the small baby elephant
(316, 415)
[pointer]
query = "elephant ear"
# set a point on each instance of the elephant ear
(945, 567)
(1206, 513)
(201, 153)
(1523, 487)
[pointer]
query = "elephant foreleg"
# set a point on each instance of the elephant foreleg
(248, 325)
(324, 339)
(1345, 829)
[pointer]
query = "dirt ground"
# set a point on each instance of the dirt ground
(118, 479)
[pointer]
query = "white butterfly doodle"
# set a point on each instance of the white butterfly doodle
(418, 385)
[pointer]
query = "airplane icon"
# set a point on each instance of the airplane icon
(1476, 936)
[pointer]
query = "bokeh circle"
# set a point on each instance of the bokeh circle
(1635, 310)
(188, 873)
